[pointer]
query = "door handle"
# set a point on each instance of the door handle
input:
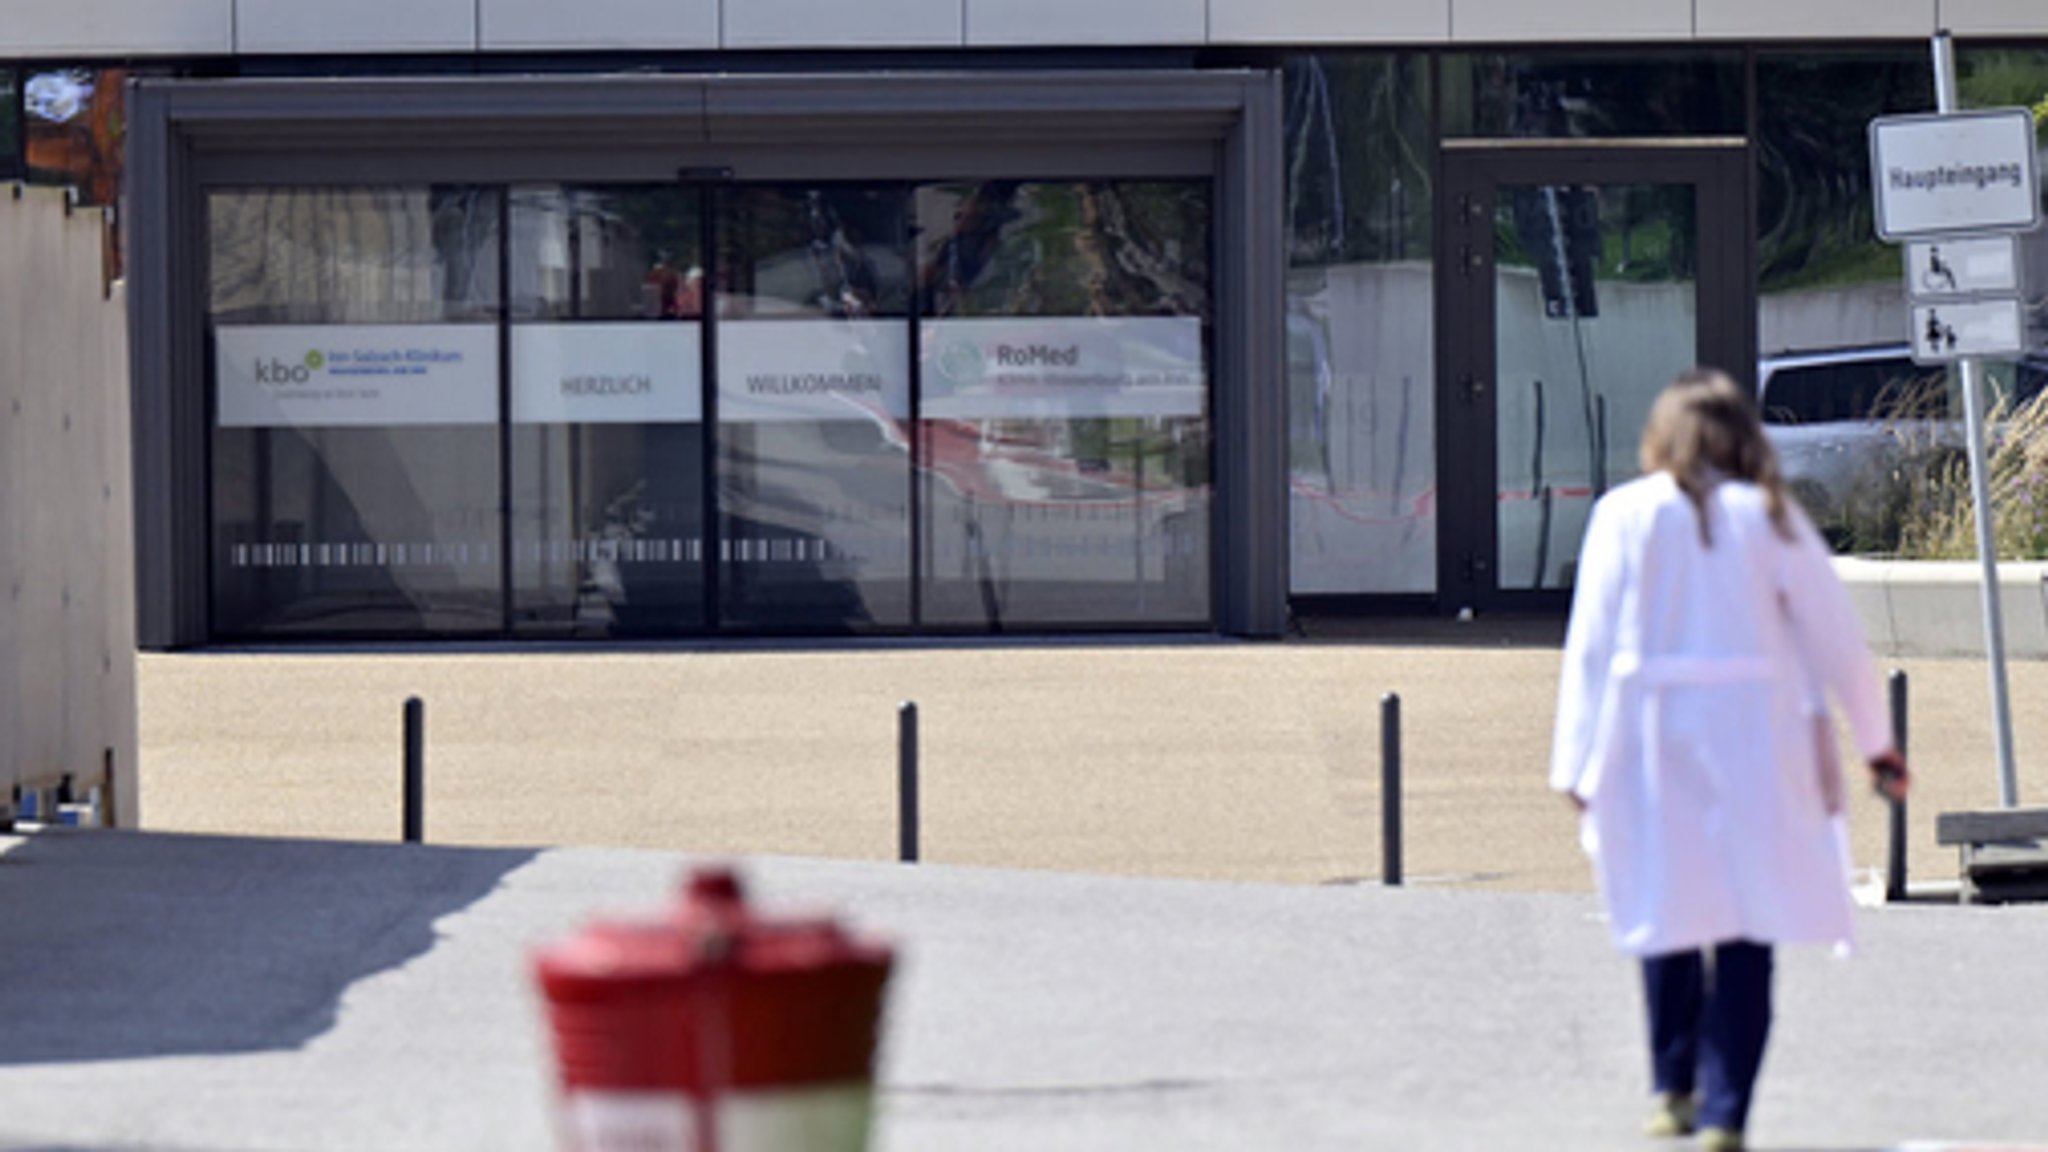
(1475, 390)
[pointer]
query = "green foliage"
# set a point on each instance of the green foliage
(2006, 78)
(1927, 511)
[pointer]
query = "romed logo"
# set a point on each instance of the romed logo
(961, 362)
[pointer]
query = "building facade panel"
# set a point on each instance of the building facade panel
(1579, 20)
(1769, 19)
(118, 28)
(1994, 17)
(315, 26)
(1009, 23)
(1328, 21)
(826, 24)
(637, 24)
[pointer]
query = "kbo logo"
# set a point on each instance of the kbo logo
(275, 371)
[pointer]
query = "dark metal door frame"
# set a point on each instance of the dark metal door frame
(1467, 436)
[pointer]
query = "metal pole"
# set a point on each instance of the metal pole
(1980, 493)
(1895, 858)
(906, 782)
(1390, 790)
(415, 770)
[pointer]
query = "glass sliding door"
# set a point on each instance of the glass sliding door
(1065, 437)
(813, 397)
(354, 378)
(656, 409)
(606, 437)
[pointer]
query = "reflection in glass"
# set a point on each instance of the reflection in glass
(1066, 443)
(1824, 278)
(1595, 311)
(1829, 291)
(355, 450)
(1360, 351)
(1499, 95)
(813, 396)
(607, 435)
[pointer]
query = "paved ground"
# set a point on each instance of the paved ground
(1200, 759)
(281, 988)
(176, 994)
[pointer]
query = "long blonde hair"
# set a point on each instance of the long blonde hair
(1703, 429)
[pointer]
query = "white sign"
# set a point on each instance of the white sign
(1962, 172)
(631, 373)
(1975, 266)
(807, 370)
(337, 375)
(1063, 368)
(1966, 329)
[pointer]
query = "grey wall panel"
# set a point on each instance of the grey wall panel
(1328, 21)
(322, 26)
(1574, 20)
(835, 24)
(116, 28)
(631, 24)
(1994, 17)
(1086, 22)
(1813, 18)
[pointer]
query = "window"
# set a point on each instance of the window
(1825, 281)
(355, 373)
(813, 399)
(607, 436)
(1361, 356)
(1064, 331)
(1500, 95)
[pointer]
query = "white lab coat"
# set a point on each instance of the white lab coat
(1693, 679)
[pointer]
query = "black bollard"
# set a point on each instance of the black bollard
(1390, 790)
(906, 782)
(415, 770)
(1895, 858)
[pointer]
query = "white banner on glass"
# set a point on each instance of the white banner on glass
(633, 373)
(1063, 368)
(337, 375)
(806, 370)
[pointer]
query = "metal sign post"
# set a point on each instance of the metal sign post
(1980, 489)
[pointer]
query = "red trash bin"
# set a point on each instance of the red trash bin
(714, 1030)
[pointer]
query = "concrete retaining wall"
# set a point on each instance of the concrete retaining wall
(1935, 608)
(67, 631)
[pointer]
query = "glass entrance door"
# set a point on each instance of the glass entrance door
(1579, 285)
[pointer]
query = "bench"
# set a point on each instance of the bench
(2003, 855)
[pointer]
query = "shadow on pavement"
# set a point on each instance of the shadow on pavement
(117, 945)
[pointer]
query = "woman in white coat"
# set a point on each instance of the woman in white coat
(1708, 629)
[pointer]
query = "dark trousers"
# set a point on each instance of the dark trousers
(1708, 1024)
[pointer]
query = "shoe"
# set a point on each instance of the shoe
(1721, 1140)
(1673, 1117)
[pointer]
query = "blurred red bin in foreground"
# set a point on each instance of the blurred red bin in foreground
(714, 1030)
